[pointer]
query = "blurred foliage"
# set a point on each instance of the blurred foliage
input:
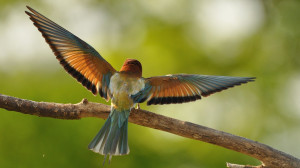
(164, 41)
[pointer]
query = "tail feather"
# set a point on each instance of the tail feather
(97, 144)
(112, 139)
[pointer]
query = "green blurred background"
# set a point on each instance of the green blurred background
(214, 37)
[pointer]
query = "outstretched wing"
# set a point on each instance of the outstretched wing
(78, 58)
(184, 88)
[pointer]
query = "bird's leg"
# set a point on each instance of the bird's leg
(138, 106)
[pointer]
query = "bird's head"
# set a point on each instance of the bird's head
(132, 66)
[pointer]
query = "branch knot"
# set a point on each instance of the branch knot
(84, 101)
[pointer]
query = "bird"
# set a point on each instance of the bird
(125, 88)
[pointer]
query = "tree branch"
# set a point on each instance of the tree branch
(243, 166)
(269, 157)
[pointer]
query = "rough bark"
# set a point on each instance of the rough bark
(270, 157)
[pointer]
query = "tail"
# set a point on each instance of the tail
(112, 139)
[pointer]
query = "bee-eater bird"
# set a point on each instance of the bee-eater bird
(126, 87)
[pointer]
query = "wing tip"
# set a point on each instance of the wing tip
(31, 10)
(246, 80)
(28, 7)
(28, 13)
(252, 79)
(249, 79)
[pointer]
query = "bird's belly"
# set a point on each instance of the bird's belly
(122, 101)
(121, 90)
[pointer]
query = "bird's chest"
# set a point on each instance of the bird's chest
(122, 87)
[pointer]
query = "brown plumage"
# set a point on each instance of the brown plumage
(132, 67)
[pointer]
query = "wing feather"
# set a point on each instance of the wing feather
(185, 88)
(78, 58)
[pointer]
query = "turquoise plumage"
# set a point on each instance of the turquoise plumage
(112, 138)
